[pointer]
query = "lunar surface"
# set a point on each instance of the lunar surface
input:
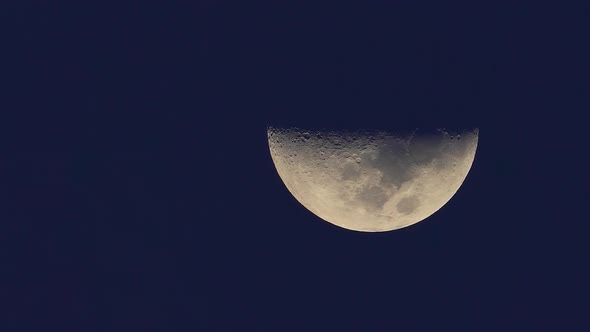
(372, 181)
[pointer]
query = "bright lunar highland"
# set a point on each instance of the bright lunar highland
(372, 181)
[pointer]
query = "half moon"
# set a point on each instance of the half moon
(372, 181)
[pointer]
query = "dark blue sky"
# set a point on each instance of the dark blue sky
(139, 194)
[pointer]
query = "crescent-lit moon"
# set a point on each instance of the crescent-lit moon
(372, 181)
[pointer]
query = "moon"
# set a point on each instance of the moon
(372, 181)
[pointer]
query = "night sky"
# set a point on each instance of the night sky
(138, 192)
